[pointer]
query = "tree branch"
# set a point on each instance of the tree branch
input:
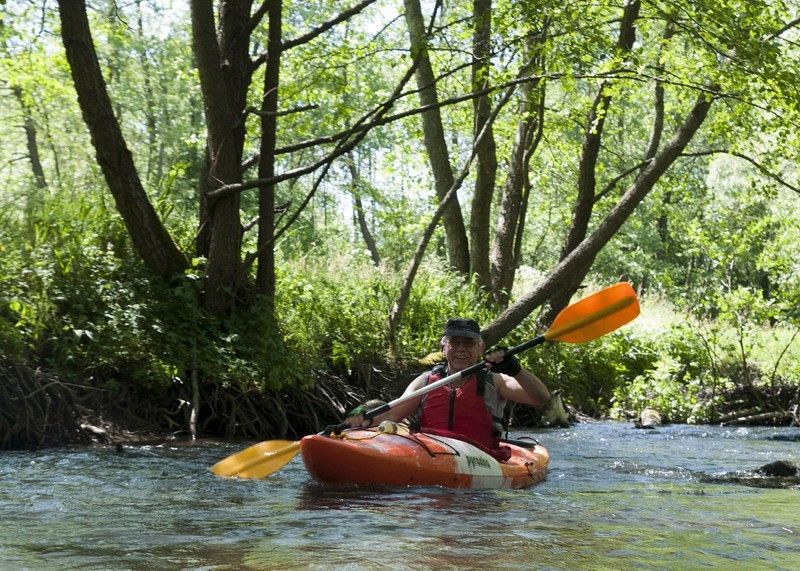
(451, 101)
(610, 186)
(764, 170)
(399, 305)
(342, 148)
(305, 38)
(789, 25)
(363, 126)
(256, 18)
(583, 256)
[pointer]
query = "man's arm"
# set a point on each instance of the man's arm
(517, 384)
(396, 413)
(525, 388)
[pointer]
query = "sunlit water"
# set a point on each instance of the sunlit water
(615, 498)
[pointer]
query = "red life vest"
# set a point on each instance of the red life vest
(461, 410)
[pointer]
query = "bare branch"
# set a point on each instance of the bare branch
(613, 183)
(256, 18)
(363, 127)
(347, 14)
(794, 23)
(298, 109)
(451, 101)
(764, 170)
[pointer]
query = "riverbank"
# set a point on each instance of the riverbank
(38, 409)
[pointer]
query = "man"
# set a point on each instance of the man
(468, 408)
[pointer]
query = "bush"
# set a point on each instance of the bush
(589, 374)
(334, 312)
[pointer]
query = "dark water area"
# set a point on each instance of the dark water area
(615, 498)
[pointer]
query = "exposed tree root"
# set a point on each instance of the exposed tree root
(236, 413)
(776, 405)
(36, 409)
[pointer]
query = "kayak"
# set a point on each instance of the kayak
(403, 458)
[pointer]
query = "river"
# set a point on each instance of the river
(615, 498)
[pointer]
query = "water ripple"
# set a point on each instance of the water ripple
(613, 495)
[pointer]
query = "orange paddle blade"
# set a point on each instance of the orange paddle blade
(595, 315)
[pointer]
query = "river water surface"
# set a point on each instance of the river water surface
(615, 498)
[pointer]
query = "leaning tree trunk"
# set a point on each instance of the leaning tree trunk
(577, 264)
(150, 238)
(435, 143)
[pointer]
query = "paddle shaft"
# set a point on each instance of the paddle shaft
(370, 414)
(549, 335)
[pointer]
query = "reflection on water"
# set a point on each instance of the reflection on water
(615, 498)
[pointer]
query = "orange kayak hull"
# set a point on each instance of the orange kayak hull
(367, 457)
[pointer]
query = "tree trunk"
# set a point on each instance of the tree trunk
(575, 266)
(223, 89)
(587, 182)
(514, 201)
(486, 169)
(31, 139)
(662, 224)
(265, 273)
(398, 307)
(150, 239)
(435, 143)
(361, 220)
(149, 99)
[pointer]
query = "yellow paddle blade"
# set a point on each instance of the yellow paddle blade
(257, 461)
(595, 315)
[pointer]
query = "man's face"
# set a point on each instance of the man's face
(461, 352)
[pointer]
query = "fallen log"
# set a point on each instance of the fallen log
(773, 416)
(739, 414)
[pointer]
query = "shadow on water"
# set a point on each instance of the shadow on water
(315, 496)
(615, 498)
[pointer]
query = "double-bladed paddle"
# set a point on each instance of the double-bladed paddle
(587, 319)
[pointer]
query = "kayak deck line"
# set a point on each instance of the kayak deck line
(402, 431)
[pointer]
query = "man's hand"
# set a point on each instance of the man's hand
(355, 418)
(508, 365)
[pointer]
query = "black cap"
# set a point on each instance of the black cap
(460, 327)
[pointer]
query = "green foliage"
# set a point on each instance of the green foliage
(77, 300)
(590, 374)
(334, 313)
(678, 382)
(696, 366)
(438, 295)
(719, 236)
